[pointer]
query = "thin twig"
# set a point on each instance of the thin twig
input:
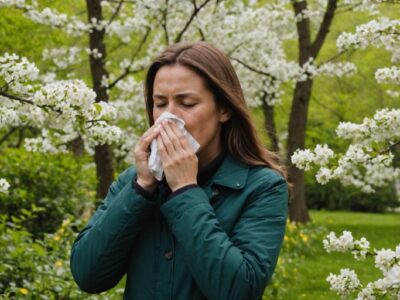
(194, 14)
(115, 13)
(7, 135)
(252, 68)
(5, 87)
(134, 55)
(390, 148)
(164, 22)
(22, 100)
(333, 58)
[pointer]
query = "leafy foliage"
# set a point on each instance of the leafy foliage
(39, 269)
(54, 186)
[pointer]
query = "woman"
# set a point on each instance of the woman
(213, 228)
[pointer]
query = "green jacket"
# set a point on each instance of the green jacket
(220, 241)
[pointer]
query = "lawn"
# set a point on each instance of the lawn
(308, 281)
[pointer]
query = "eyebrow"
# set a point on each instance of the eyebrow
(181, 94)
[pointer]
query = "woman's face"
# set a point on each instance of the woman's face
(180, 91)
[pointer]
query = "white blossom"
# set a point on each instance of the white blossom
(4, 186)
(342, 244)
(323, 154)
(8, 117)
(388, 75)
(303, 159)
(378, 33)
(15, 69)
(361, 248)
(385, 259)
(62, 57)
(393, 94)
(388, 261)
(324, 175)
(102, 133)
(344, 283)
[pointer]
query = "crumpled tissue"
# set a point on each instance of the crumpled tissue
(155, 164)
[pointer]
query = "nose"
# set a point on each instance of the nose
(173, 109)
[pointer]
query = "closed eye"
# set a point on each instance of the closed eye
(188, 104)
(159, 104)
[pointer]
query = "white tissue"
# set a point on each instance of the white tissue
(155, 164)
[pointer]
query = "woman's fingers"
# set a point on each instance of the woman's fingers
(173, 137)
(183, 142)
(168, 139)
(162, 150)
(147, 138)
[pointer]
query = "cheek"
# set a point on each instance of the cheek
(200, 127)
(156, 115)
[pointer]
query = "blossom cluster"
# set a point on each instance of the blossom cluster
(15, 71)
(67, 108)
(347, 282)
(346, 243)
(367, 163)
(383, 32)
(388, 75)
(62, 57)
(304, 159)
(383, 126)
(4, 185)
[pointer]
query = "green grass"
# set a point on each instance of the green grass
(381, 230)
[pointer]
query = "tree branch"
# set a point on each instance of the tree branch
(324, 28)
(235, 48)
(390, 148)
(333, 57)
(134, 55)
(124, 1)
(194, 14)
(5, 87)
(7, 135)
(22, 100)
(303, 32)
(336, 113)
(115, 14)
(164, 22)
(252, 68)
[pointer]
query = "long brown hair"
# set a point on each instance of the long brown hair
(238, 133)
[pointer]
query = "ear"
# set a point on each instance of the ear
(224, 114)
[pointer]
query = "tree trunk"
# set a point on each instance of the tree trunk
(103, 153)
(298, 115)
(269, 123)
(77, 146)
(296, 140)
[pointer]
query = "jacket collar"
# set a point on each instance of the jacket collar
(232, 173)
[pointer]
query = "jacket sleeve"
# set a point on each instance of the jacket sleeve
(232, 267)
(100, 252)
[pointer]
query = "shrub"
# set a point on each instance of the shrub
(40, 269)
(56, 185)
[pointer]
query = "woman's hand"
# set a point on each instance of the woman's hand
(178, 159)
(144, 177)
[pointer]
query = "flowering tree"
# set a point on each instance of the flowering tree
(369, 159)
(67, 110)
(264, 67)
(367, 163)
(256, 47)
